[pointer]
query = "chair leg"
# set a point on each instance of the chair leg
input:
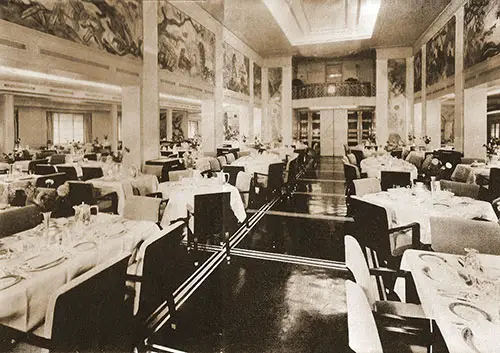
(228, 249)
(172, 311)
(195, 251)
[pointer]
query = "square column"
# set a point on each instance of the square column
(326, 132)
(6, 123)
(131, 125)
(286, 101)
(475, 121)
(381, 109)
(339, 131)
(113, 117)
(433, 123)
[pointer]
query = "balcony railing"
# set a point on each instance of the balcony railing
(346, 89)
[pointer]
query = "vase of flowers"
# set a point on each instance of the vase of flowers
(491, 148)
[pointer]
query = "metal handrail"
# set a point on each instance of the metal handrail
(345, 89)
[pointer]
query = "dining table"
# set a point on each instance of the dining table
(257, 163)
(461, 294)
(33, 267)
(373, 166)
(180, 195)
(124, 186)
(10, 183)
(404, 206)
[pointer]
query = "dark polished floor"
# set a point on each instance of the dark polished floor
(283, 290)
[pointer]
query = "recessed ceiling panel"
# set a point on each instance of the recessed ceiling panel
(325, 15)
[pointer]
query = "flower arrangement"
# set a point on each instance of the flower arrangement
(189, 161)
(46, 199)
(257, 142)
(17, 143)
(411, 138)
(372, 137)
(492, 146)
(117, 156)
(426, 139)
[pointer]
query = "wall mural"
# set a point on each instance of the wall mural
(440, 56)
(111, 25)
(236, 70)
(177, 131)
(231, 125)
(481, 31)
(257, 81)
(447, 124)
(275, 81)
(417, 72)
(184, 45)
(396, 73)
(163, 125)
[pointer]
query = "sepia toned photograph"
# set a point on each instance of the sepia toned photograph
(249, 176)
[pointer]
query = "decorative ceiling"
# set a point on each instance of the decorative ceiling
(399, 23)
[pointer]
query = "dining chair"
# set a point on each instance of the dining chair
(213, 220)
(176, 175)
(466, 160)
(43, 169)
(398, 153)
(230, 158)
(90, 156)
(351, 172)
(416, 159)
(245, 185)
(366, 186)
(18, 219)
(271, 182)
(290, 176)
(70, 172)
(371, 224)
(203, 164)
(92, 173)
(154, 170)
(463, 173)
(85, 311)
(453, 234)
(57, 159)
(233, 171)
(57, 180)
(494, 183)
(32, 164)
(356, 263)
(460, 189)
(222, 161)
(142, 208)
(365, 336)
(152, 273)
(352, 158)
(391, 179)
(83, 192)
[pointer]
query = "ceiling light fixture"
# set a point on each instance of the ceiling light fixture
(181, 99)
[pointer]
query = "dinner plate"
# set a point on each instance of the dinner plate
(85, 246)
(468, 311)
(433, 259)
(9, 280)
(439, 274)
(42, 262)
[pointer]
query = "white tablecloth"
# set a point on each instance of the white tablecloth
(146, 183)
(258, 163)
(403, 208)
(372, 166)
(440, 286)
(23, 305)
(9, 186)
(181, 197)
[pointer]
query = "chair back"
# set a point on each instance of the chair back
(222, 161)
(361, 326)
(397, 154)
(494, 183)
(463, 173)
(70, 172)
(416, 159)
(87, 308)
(159, 259)
(461, 189)
(176, 175)
(290, 174)
(81, 192)
(366, 186)
(244, 184)
(16, 219)
(465, 160)
(154, 170)
(233, 171)
(230, 158)
(352, 158)
(203, 164)
(32, 164)
(355, 262)
(44, 169)
(57, 159)
(452, 235)
(351, 172)
(390, 179)
(275, 176)
(92, 173)
(213, 214)
(90, 156)
(142, 208)
(452, 157)
(57, 178)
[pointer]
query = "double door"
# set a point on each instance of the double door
(309, 127)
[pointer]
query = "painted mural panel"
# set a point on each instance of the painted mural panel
(111, 25)
(177, 122)
(275, 82)
(257, 81)
(184, 45)
(231, 125)
(481, 31)
(236, 70)
(417, 72)
(447, 124)
(440, 56)
(396, 73)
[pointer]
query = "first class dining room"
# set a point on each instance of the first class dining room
(249, 176)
